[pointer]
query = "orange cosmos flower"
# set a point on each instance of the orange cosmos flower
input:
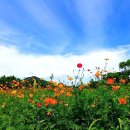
(122, 100)
(50, 81)
(31, 101)
(61, 85)
(14, 81)
(123, 81)
(31, 95)
(110, 81)
(70, 78)
(23, 81)
(21, 95)
(80, 87)
(49, 87)
(68, 94)
(56, 94)
(61, 91)
(56, 90)
(97, 74)
(18, 83)
(50, 101)
(13, 92)
(53, 102)
(114, 88)
(69, 88)
(23, 87)
(55, 83)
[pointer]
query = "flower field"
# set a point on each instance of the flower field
(36, 104)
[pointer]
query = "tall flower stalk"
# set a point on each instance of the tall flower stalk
(105, 66)
(106, 59)
(79, 76)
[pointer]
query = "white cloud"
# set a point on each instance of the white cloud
(21, 65)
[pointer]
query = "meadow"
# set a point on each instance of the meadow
(36, 104)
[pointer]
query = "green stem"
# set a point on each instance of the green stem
(93, 123)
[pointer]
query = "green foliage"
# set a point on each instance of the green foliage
(11, 81)
(4, 79)
(125, 65)
(87, 107)
(94, 84)
(40, 82)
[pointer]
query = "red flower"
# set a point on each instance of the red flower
(105, 71)
(80, 87)
(79, 65)
(39, 104)
(122, 100)
(110, 81)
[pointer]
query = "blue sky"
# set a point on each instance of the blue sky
(64, 27)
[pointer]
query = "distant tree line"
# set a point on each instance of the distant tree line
(124, 73)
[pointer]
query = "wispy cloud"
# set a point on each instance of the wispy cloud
(60, 27)
(26, 42)
(44, 15)
(52, 30)
(22, 65)
(94, 15)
